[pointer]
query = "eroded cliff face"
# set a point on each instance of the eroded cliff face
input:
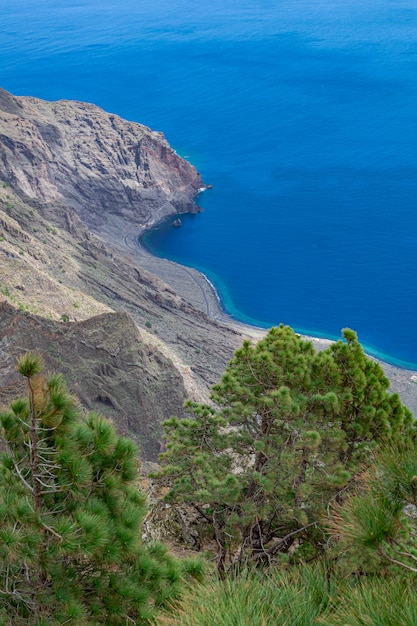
(96, 163)
(53, 265)
(77, 184)
(106, 362)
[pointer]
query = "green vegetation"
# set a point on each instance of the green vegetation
(4, 290)
(287, 434)
(301, 474)
(256, 599)
(70, 546)
(302, 596)
(378, 522)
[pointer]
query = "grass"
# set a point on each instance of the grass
(303, 596)
(375, 602)
(257, 599)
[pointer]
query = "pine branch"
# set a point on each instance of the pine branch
(273, 550)
(402, 551)
(22, 478)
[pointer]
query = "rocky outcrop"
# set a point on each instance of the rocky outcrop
(106, 363)
(77, 185)
(95, 162)
(66, 270)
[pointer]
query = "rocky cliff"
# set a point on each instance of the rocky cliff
(96, 163)
(77, 184)
(107, 363)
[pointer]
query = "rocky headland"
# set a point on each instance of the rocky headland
(77, 187)
(106, 169)
(133, 335)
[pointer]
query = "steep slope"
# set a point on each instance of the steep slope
(106, 362)
(77, 185)
(102, 166)
(51, 264)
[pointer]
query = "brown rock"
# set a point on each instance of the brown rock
(106, 364)
(68, 169)
(93, 161)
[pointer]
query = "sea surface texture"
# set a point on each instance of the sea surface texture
(302, 114)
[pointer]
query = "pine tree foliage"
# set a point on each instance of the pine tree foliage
(70, 516)
(287, 432)
(378, 522)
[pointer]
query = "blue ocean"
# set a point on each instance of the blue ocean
(302, 114)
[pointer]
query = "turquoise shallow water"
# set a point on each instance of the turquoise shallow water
(301, 114)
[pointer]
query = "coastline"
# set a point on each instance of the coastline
(188, 282)
(197, 289)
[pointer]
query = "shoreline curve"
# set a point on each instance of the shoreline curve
(198, 290)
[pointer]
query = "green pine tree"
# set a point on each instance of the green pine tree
(70, 516)
(287, 433)
(377, 524)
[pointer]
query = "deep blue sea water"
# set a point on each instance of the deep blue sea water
(301, 113)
